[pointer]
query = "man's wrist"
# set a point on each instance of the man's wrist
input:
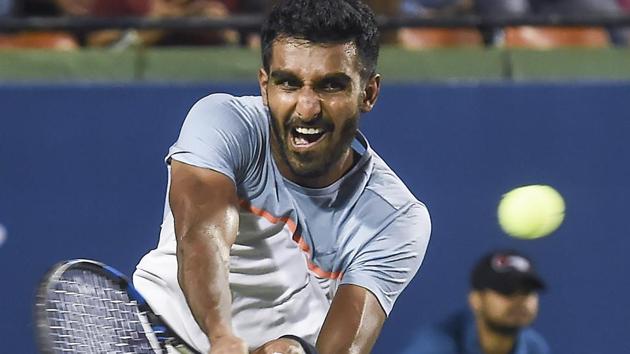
(308, 347)
(217, 332)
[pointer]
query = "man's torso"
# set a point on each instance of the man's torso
(294, 244)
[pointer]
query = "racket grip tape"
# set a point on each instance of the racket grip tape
(308, 347)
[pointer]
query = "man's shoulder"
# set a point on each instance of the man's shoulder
(218, 97)
(239, 105)
(243, 115)
(385, 187)
(222, 132)
(533, 342)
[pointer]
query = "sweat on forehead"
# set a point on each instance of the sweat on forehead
(293, 46)
(299, 42)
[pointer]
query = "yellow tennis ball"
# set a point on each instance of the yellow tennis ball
(531, 212)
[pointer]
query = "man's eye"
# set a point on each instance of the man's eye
(287, 84)
(332, 86)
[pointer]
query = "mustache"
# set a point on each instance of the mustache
(318, 122)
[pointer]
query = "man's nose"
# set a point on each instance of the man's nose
(308, 105)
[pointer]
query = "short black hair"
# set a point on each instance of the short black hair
(325, 22)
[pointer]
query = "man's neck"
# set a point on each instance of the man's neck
(347, 161)
(492, 342)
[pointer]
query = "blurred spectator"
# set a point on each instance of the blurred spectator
(503, 302)
(155, 9)
(194, 8)
(435, 7)
(575, 7)
(386, 8)
(41, 39)
(427, 38)
(521, 7)
(533, 37)
(495, 8)
(38, 40)
(251, 38)
(6, 7)
(26, 8)
(623, 34)
(105, 8)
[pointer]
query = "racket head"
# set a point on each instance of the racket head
(84, 306)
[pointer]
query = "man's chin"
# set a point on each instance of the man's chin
(307, 171)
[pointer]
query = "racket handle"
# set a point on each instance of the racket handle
(308, 347)
(177, 349)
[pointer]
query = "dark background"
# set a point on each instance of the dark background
(82, 175)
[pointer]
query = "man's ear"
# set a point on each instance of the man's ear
(263, 81)
(370, 93)
(474, 300)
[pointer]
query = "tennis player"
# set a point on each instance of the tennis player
(280, 218)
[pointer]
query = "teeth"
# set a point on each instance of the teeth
(302, 130)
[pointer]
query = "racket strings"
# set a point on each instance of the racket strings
(88, 313)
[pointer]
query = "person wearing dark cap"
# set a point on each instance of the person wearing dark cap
(503, 303)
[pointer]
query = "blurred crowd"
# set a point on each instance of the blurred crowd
(130, 8)
(411, 38)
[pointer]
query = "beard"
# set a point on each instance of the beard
(500, 328)
(312, 164)
(510, 322)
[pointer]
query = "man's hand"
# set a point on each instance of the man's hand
(280, 346)
(228, 345)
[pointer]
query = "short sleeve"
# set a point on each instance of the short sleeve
(219, 134)
(386, 264)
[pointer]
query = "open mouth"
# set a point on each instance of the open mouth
(305, 138)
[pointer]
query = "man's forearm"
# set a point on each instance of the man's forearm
(353, 323)
(205, 210)
(203, 276)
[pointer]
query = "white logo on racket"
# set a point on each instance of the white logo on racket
(3, 235)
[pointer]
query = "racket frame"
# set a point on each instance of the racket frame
(159, 334)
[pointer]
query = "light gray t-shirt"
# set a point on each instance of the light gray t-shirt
(295, 245)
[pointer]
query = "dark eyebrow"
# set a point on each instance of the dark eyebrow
(283, 75)
(341, 77)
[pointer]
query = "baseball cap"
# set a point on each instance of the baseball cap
(506, 272)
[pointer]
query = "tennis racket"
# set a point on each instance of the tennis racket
(84, 306)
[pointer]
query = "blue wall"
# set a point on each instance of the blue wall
(81, 175)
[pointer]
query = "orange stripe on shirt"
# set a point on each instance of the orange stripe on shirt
(296, 238)
(322, 273)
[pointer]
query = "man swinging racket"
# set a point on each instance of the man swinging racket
(280, 218)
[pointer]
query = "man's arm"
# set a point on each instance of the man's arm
(385, 265)
(353, 323)
(205, 209)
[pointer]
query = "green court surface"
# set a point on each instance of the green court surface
(238, 64)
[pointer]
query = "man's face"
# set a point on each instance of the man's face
(505, 313)
(315, 95)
